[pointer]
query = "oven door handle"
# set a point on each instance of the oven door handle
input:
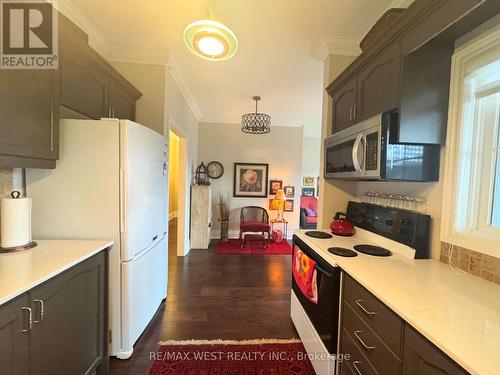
(322, 270)
(355, 153)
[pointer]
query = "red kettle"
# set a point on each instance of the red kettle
(340, 226)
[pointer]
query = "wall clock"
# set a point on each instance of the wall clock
(215, 169)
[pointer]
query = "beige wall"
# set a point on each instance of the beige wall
(180, 118)
(5, 184)
(281, 149)
(150, 81)
(173, 176)
(335, 194)
(311, 153)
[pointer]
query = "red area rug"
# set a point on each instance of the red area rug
(254, 357)
(234, 247)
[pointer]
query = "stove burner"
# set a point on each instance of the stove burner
(342, 252)
(373, 250)
(318, 234)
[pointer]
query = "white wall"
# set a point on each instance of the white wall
(311, 153)
(333, 196)
(178, 115)
(281, 149)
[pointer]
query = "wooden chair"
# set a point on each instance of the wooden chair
(254, 219)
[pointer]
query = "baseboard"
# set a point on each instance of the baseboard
(173, 215)
(234, 234)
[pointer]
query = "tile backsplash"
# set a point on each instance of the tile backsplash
(478, 264)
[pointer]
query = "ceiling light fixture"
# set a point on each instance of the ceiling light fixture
(210, 40)
(256, 123)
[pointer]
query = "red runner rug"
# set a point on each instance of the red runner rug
(267, 357)
(234, 247)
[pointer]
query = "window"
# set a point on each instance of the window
(471, 207)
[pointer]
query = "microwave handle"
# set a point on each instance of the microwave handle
(355, 150)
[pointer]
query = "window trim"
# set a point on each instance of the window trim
(485, 240)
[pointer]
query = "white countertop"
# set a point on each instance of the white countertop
(458, 312)
(21, 271)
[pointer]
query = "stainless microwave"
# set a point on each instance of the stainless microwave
(369, 151)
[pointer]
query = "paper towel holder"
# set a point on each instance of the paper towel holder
(15, 195)
(14, 249)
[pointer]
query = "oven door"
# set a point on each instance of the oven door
(324, 315)
(354, 153)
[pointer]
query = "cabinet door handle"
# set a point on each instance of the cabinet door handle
(369, 313)
(30, 320)
(367, 347)
(355, 365)
(42, 310)
(355, 112)
(350, 113)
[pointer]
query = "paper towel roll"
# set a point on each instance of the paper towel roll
(15, 228)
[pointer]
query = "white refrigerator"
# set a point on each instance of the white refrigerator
(111, 183)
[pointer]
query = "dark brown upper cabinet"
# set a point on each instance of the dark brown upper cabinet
(408, 67)
(344, 103)
(84, 87)
(29, 125)
(32, 101)
(90, 86)
(378, 84)
(121, 104)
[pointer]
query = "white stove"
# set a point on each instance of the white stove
(381, 235)
(360, 237)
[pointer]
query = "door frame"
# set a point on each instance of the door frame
(184, 191)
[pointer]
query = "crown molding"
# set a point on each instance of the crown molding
(96, 39)
(176, 73)
(336, 45)
(137, 56)
(400, 4)
(343, 45)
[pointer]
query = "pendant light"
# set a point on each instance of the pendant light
(256, 123)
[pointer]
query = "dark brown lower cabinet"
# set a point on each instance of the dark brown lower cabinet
(372, 336)
(67, 334)
(14, 344)
(422, 358)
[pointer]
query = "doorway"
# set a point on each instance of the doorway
(177, 182)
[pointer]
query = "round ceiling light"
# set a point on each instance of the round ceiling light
(210, 40)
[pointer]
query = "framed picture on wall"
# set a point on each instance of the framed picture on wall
(308, 191)
(288, 205)
(274, 186)
(308, 181)
(250, 180)
(289, 191)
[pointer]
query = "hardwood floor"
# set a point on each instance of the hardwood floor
(214, 296)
